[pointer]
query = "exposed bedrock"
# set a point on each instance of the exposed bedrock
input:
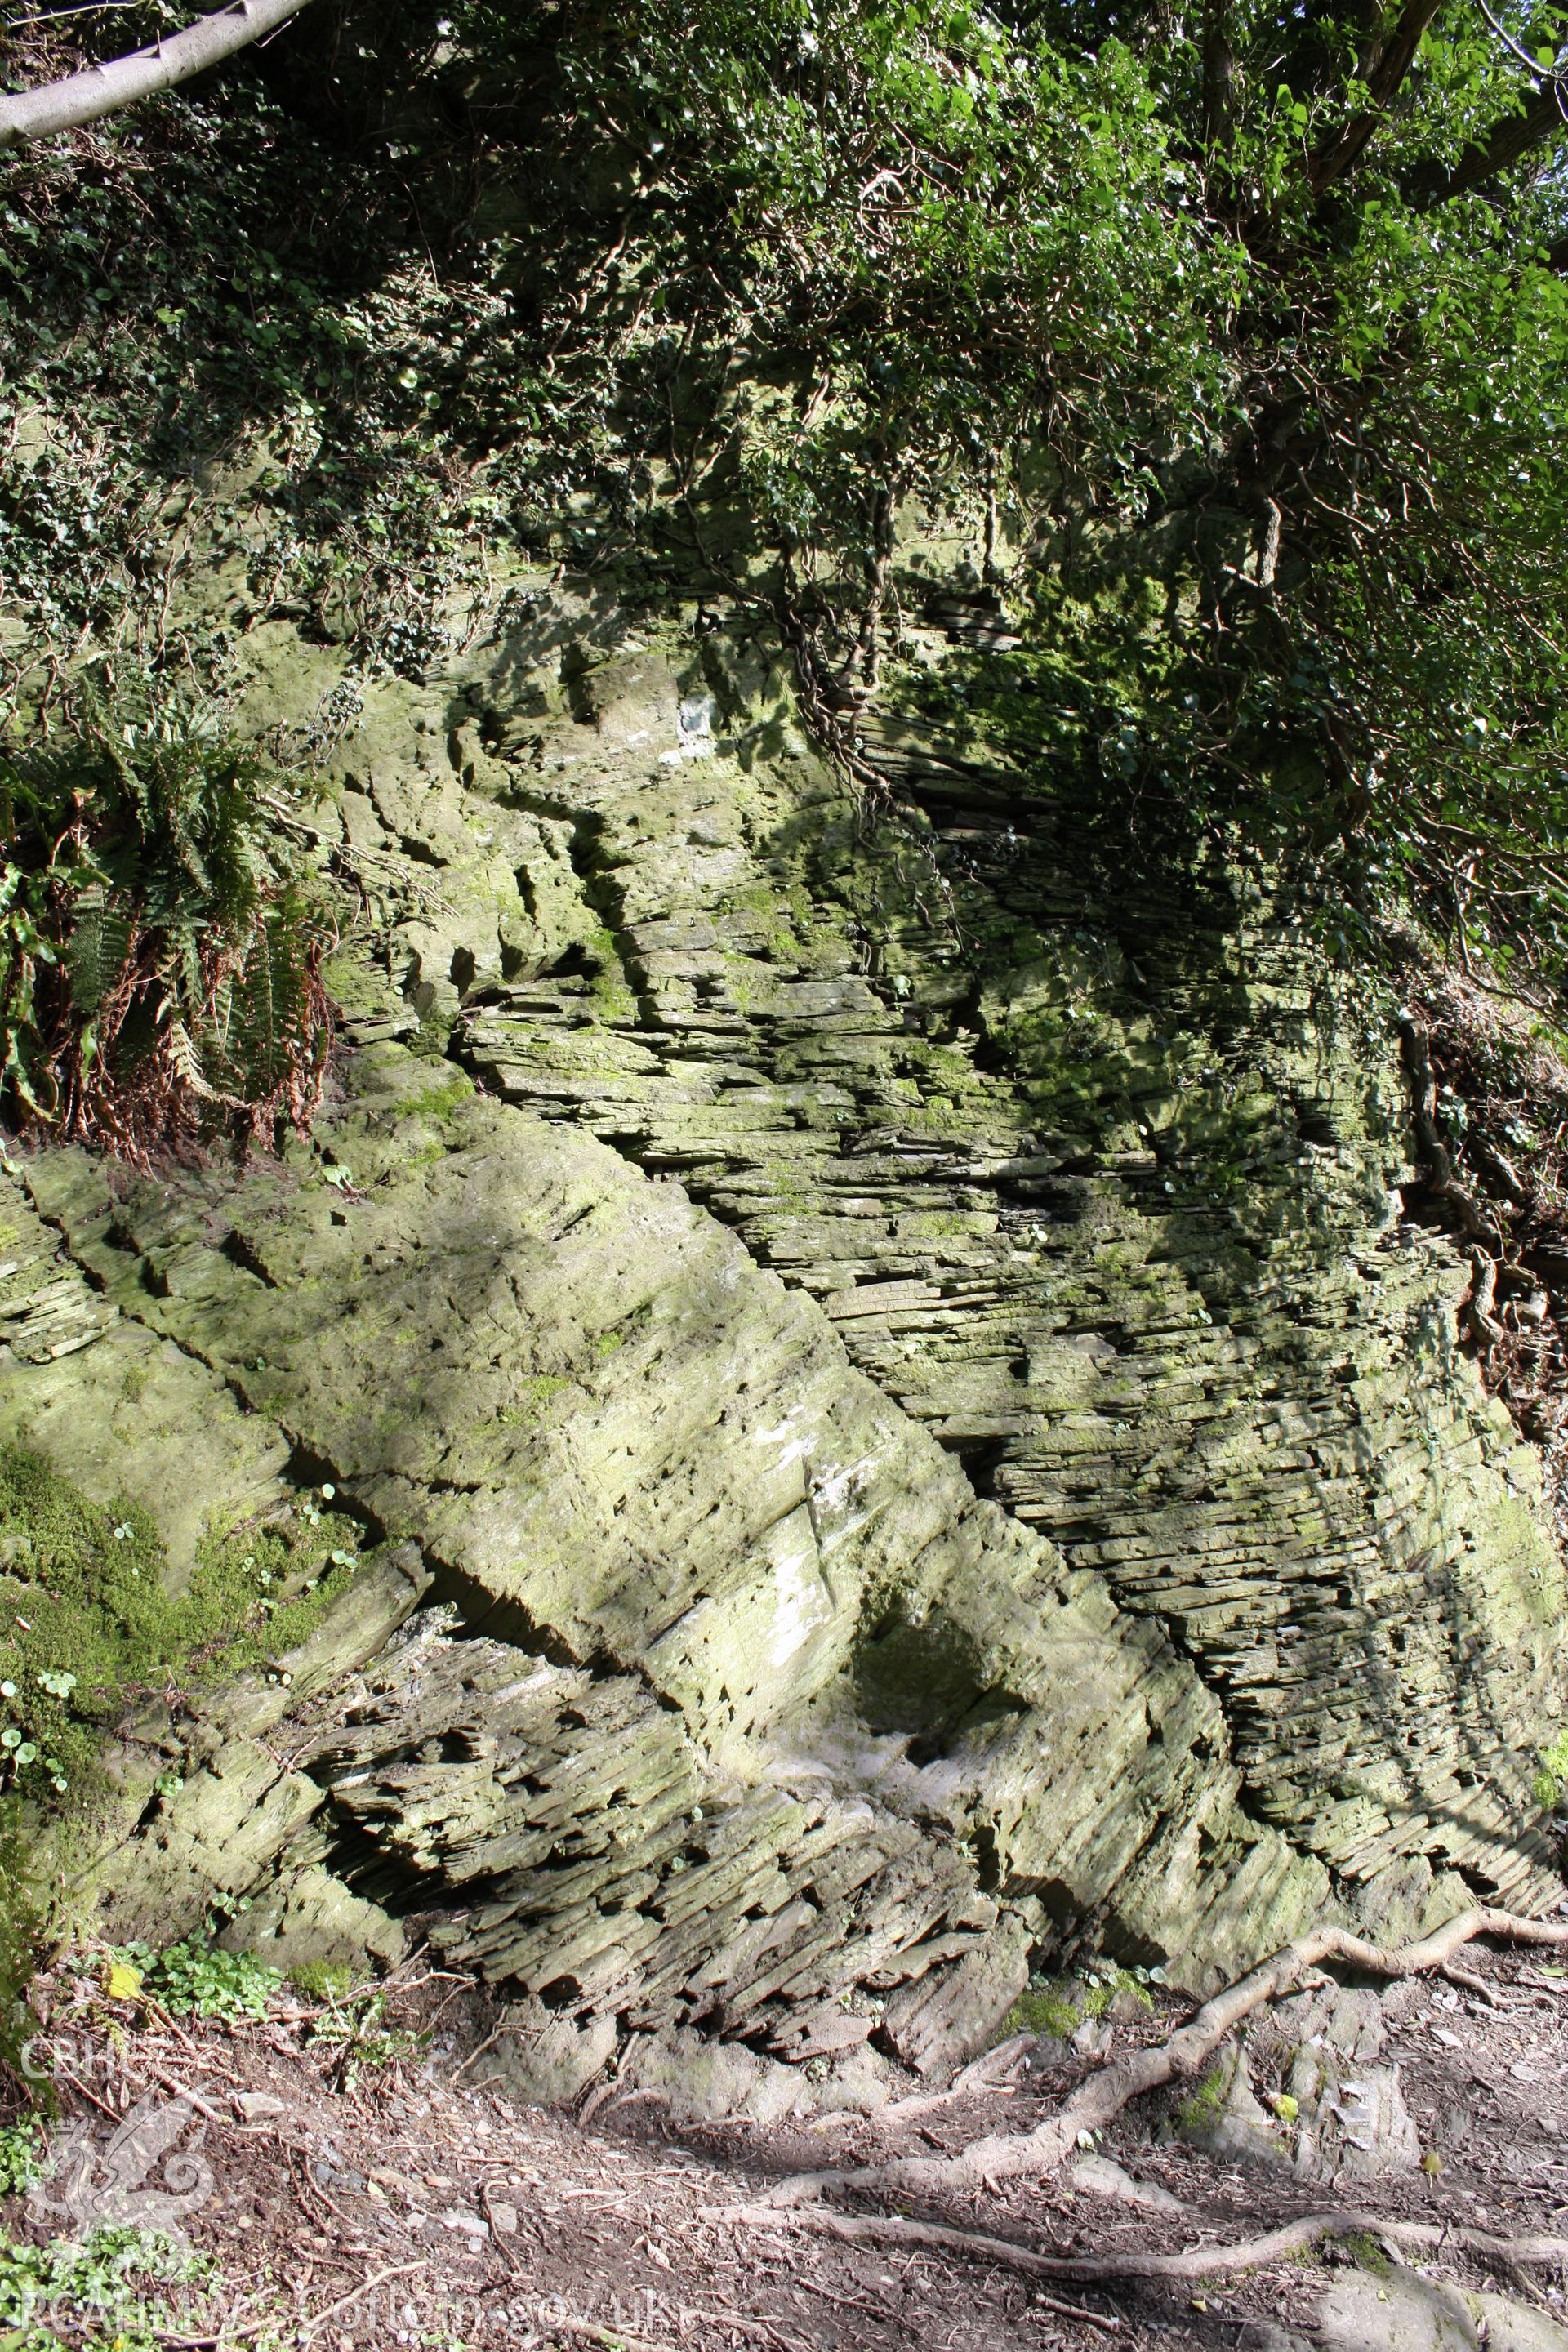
(915, 1428)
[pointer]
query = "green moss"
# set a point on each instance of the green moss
(1364, 2249)
(18, 1935)
(88, 1621)
(532, 1395)
(1043, 2013)
(613, 1000)
(1206, 2106)
(440, 1100)
(323, 1979)
(1547, 1785)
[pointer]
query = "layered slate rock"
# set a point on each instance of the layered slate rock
(1100, 1181)
(928, 1438)
(747, 1706)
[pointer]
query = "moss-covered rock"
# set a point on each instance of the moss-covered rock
(933, 1442)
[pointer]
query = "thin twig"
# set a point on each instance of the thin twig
(377, 2278)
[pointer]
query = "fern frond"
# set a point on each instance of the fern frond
(95, 952)
(186, 1063)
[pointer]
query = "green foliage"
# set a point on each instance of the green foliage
(84, 2281)
(1281, 425)
(21, 2156)
(198, 1979)
(159, 960)
(88, 1621)
(1243, 399)
(358, 2032)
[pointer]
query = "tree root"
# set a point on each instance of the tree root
(1099, 2100)
(1440, 1177)
(1471, 1983)
(1195, 2263)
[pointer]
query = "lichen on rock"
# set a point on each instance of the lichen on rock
(916, 1437)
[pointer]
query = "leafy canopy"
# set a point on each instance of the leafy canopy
(1265, 303)
(1228, 340)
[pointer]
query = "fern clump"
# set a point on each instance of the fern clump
(160, 950)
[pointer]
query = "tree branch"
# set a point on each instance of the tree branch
(103, 89)
(1543, 119)
(1387, 71)
(1219, 74)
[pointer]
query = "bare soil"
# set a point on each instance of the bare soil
(414, 2202)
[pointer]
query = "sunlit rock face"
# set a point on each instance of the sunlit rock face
(907, 1428)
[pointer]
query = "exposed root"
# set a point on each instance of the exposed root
(1471, 1983)
(993, 2072)
(1440, 1176)
(1099, 2100)
(1195, 2262)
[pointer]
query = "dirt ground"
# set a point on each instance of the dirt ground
(411, 2202)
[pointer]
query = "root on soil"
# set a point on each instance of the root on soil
(1195, 2262)
(1099, 2100)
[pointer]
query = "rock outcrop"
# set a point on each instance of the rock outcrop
(905, 1425)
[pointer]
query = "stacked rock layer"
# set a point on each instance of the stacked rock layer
(914, 1426)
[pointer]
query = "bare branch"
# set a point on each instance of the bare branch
(103, 89)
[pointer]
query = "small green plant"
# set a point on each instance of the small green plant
(91, 2278)
(21, 2156)
(196, 1979)
(1206, 2105)
(358, 2032)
